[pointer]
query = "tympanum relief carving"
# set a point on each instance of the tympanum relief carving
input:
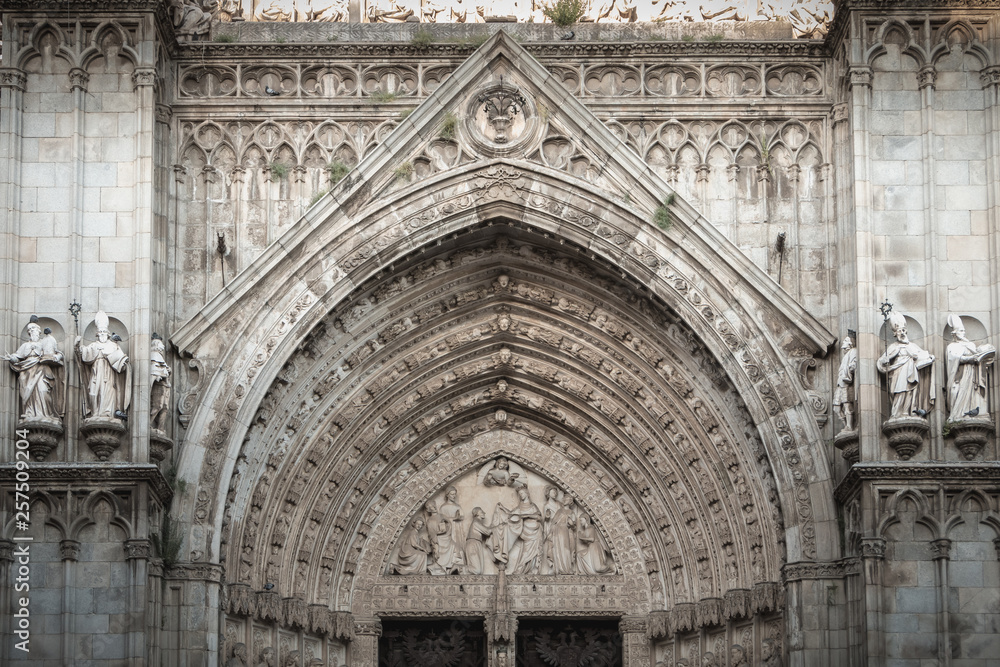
(501, 517)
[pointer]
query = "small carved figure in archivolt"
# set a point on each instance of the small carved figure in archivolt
(502, 472)
(40, 375)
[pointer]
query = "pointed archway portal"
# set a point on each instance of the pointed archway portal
(488, 286)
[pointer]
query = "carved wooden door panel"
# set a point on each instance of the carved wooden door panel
(568, 643)
(440, 643)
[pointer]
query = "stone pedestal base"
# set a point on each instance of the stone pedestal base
(848, 444)
(159, 445)
(43, 436)
(103, 436)
(905, 435)
(971, 435)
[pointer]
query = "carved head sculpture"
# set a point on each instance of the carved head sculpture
(898, 324)
(430, 507)
(522, 494)
(267, 657)
(478, 513)
(847, 344)
(34, 329)
(957, 327)
(103, 324)
(502, 464)
(551, 492)
(767, 649)
(240, 652)
(451, 494)
(504, 280)
(737, 655)
(418, 524)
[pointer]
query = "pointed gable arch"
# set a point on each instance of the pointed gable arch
(376, 217)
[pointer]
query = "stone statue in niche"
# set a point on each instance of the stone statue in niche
(968, 366)
(159, 395)
(239, 658)
(191, 19)
(266, 658)
(844, 396)
(770, 656)
(41, 376)
(902, 363)
(106, 374)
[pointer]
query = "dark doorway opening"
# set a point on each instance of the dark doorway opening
(439, 643)
(548, 642)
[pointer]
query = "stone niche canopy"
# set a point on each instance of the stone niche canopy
(502, 515)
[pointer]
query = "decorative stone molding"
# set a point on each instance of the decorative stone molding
(804, 570)
(138, 549)
(159, 445)
(11, 77)
(841, 112)
(163, 113)
(268, 607)
(69, 550)
(81, 476)
(905, 435)
(210, 572)
(990, 76)
(294, 613)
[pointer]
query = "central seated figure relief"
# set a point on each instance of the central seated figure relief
(501, 517)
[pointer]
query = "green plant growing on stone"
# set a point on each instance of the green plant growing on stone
(280, 40)
(319, 194)
(564, 12)
(474, 41)
(687, 38)
(662, 216)
(717, 37)
(403, 171)
(224, 39)
(337, 169)
(422, 38)
(278, 169)
(382, 97)
(450, 127)
(168, 542)
(405, 113)
(946, 428)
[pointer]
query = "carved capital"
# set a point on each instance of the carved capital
(79, 78)
(69, 550)
(703, 171)
(794, 171)
(180, 172)
(210, 173)
(996, 545)
(237, 174)
(733, 171)
(299, 174)
(989, 76)
(873, 547)
(941, 548)
(7, 551)
(138, 549)
(12, 77)
(861, 76)
(371, 626)
(637, 624)
(927, 76)
(144, 76)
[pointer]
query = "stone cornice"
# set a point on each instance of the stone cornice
(82, 475)
(797, 49)
(844, 8)
(81, 6)
(906, 473)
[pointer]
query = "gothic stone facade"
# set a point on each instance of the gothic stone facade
(499, 332)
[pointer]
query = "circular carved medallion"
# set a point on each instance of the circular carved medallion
(501, 120)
